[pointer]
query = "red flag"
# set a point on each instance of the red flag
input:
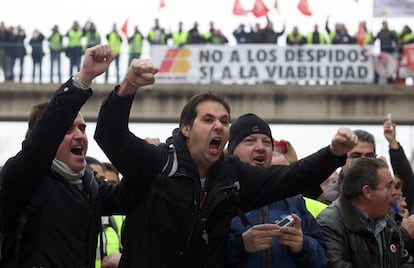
(409, 54)
(304, 8)
(238, 9)
(124, 28)
(361, 34)
(162, 4)
(259, 9)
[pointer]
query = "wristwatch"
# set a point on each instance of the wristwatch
(77, 82)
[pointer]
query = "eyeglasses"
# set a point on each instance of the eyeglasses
(359, 155)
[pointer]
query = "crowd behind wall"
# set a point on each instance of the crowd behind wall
(57, 55)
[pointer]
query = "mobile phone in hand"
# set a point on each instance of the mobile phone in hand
(287, 221)
(389, 117)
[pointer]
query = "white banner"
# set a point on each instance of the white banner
(263, 63)
(393, 8)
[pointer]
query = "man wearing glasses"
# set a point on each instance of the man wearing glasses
(364, 148)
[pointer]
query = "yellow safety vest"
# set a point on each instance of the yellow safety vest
(151, 37)
(55, 41)
(322, 39)
(136, 44)
(75, 38)
(115, 40)
(314, 206)
(180, 38)
(111, 238)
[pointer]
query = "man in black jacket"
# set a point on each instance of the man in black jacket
(181, 217)
(358, 229)
(62, 228)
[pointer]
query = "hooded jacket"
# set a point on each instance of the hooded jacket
(173, 221)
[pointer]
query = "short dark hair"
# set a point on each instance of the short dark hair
(109, 166)
(34, 115)
(189, 112)
(92, 160)
(365, 136)
(362, 171)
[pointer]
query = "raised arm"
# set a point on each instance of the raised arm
(140, 73)
(24, 172)
(112, 132)
(400, 164)
(95, 62)
(343, 141)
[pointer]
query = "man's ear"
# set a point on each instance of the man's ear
(185, 129)
(366, 191)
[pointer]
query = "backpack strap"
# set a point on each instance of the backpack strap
(171, 165)
(239, 211)
(112, 223)
(93, 186)
(169, 168)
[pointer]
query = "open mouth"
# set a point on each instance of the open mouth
(76, 151)
(259, 160)
(214, 145)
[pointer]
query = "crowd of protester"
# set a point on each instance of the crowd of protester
(214, 194)
(68, 46)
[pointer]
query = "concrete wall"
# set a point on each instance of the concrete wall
(350, 104)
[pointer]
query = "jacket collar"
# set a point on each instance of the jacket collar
(184, 157)
(352, 221)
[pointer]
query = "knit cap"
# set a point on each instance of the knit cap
(244, 126)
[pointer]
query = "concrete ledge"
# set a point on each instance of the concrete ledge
(310, 104)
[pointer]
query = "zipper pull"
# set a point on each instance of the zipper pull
(204, 236)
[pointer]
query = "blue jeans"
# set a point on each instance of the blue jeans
(55, 58)
(116, 69)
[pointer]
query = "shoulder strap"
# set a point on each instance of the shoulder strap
(239, 211)
(171, 165)
(112, 223)
(91, 185)
(169, 168)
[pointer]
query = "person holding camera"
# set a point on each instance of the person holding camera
(189, 190)
(298, 241)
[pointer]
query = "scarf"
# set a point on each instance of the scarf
(73, 177)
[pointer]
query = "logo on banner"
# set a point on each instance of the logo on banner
(176, 61)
